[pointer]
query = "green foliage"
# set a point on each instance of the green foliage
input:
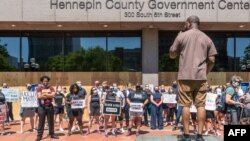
(4, 62)
(166, 63)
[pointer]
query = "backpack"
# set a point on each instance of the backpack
(223, 105)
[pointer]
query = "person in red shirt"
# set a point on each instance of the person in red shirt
(45, 94)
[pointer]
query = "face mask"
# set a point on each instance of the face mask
(235, 84)
(79, 85)
(115, 88)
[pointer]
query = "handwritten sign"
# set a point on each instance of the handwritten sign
(78, 104)
(169, 98)
(29, 99)
(11, 95)
(211, 101)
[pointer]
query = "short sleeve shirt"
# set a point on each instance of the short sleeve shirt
(231, 91)
(194, 47)
(138, 97)
(48, 101)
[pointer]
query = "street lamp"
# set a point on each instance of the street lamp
(32, 65)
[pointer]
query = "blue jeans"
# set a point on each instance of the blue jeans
(178, 115)
(156, 117)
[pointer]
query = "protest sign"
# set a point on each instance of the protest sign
(193, 109)
(11, 95)
(211, 101)
(3, 112)
(169, 98)
(112, 108)
(136, 109)
(29, 99)
(78, 104)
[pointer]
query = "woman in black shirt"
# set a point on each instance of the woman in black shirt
(74, 113)
(59, 106)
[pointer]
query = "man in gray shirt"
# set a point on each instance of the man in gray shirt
(197, 57)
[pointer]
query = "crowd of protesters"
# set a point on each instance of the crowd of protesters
(232, 107)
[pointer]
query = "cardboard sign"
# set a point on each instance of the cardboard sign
(211, 102)
(136, 107)
(112, 108)
(169, 98)
(29, 99)
(78, 104)
(11, 95)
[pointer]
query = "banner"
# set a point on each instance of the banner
(169, 98)
(11, 95)
(211, 101)
(3, 112)
(78, 104)
(29, 100)
(112, 108)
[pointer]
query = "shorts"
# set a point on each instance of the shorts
(27, 112)
(209, 114)
(135, 114)
(120, 117)
(59, 110)
(220, 109)
(164, 105)
(75, 113)
(95, 111)
(192, 91)
(36, 110)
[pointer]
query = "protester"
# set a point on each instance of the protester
(197, 57)
(3, 103)
(10, 109)
(45, 95)
(231, 100)
(171, 106)
(147, 108)
(156, 110)
(74, 113)
(27, 112)
(59, 102)
(126, 92)
(94, 102)
(140, 97)
(110, 96)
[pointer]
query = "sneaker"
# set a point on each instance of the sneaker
(175, 128)
(61, 129)
(77, 128)
(199, 139)
(113, 133)
(195, 131)
(73, 129)
(106, 134)
(137, 133)
(122, 130)
(129, 133)
(218, 133)
(206, 133)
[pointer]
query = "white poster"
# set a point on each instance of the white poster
(193, 109)
(11, 95)
(29, 100)
(211, 101)
(78, 104)
(136, 107)
(3, 112)
(169, 98)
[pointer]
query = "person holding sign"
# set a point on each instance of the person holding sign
(59, 106)
(75, 107)
(137, 102)
(156, 109)
(94, 101)
(110, 96)
(3, 112)
(10, 111)
(45, 94)
(27, 111)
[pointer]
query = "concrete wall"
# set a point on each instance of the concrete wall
(41, 10)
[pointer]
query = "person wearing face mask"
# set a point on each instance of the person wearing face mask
(127, 90)
(2, 103)
(172, 106)
(10, 112)
(27, 112)
(94, 102)
(231, 100)
(156, 110)
(147, 108)
(45, 94)
(59, 100)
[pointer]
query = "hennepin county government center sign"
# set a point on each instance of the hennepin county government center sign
(136, 8)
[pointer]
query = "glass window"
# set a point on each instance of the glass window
(42, 52)
(124, 53)
(224, 44)
(242, 58)
(166, 64)
(9, 53)
(85, 54)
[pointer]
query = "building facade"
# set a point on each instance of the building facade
(118, 35)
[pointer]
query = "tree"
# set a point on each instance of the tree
(168, 64)
(4, 56)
